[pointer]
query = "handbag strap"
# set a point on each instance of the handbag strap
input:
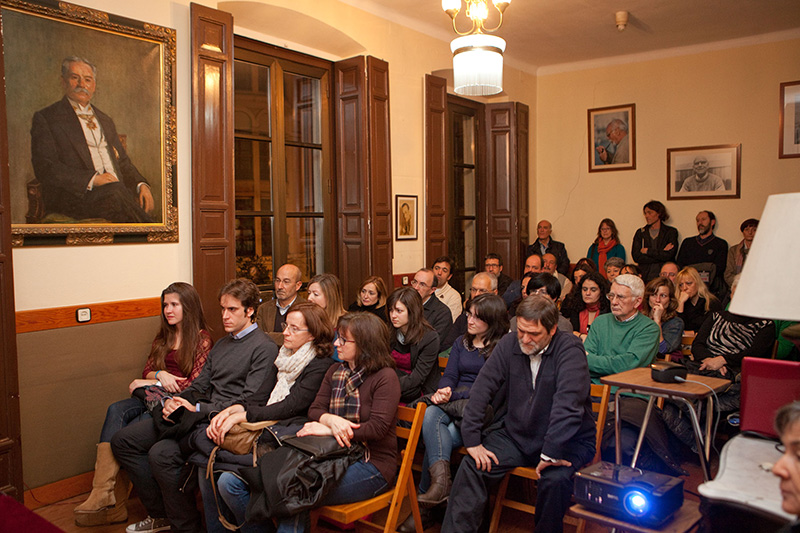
(210, 476)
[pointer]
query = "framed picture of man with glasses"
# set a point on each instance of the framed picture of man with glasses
(612, 138)
(704, 172)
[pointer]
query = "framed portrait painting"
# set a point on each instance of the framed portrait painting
(790, 120)
(90, 105)
(406, 219)
(704, 172)
(612, 138)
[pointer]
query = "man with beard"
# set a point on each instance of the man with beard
(542, 374)
(272, 315)
(705, 247)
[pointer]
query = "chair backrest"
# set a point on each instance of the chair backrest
(603, 393)
(767, 384)
(686, 344)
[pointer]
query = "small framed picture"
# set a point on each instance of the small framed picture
(406, 219)
(790, 120)
(704, 172)
(612, 138)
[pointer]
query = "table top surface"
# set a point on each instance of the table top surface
(683, 520)
(639, 380)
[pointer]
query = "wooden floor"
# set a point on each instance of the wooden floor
(513, 521)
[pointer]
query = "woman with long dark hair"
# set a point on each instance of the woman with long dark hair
(415, 344)
(605, 245)
(177, 356)
(593, 289)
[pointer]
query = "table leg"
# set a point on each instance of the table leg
(650, 401)
(709, 420)
(698, 437)
(617, 429)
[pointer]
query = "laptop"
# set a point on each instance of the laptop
(767, 384)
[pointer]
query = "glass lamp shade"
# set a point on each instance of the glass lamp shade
(767, 288)
(478, 64)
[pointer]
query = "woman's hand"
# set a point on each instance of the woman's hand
(220, 425)
(341, 428)
(442, 396)
(715, 363)
(137, 383)
(658, 312)
(315, 428)
(172, 404)
(170, 382)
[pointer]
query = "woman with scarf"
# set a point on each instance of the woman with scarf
(357, 402)
(605, 245)
(286, 394)
(593, 289)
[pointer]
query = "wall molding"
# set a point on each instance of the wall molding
(65, 317)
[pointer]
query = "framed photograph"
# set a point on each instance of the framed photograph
(90, 103)
(406, 219)
(704, 172)
(790, 120)
(612, 138)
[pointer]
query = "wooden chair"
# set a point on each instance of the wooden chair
(601, 392)
(394, 497)
(686, 344)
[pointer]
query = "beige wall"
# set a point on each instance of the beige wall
(717, 97)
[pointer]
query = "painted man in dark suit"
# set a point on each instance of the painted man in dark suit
(78, 158)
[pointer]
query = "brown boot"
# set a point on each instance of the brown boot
(110, 488)
(440, 484)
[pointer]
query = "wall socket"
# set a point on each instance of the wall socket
(405, 280)
(84, 314)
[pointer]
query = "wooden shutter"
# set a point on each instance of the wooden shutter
(436, 169)
(214, 254)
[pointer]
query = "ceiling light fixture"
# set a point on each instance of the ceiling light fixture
(477, 57)
(621, 18)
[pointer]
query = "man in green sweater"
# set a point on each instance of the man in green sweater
(625, 338)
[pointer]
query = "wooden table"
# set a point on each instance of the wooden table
(682, 521)
(639, 381)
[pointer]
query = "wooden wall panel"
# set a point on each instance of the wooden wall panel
(435, 200)
(64, 317)
(214, 255)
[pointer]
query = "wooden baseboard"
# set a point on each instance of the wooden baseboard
(58, 491)
(64, 317)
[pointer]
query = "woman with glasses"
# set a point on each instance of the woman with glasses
(593, 289)
(695, 301)
(371, 298)
(357, 402)
(660, 305)
(286, 394)
(415, 345)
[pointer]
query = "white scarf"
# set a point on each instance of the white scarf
(290, 365)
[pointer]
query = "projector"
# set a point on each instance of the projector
(630, 494)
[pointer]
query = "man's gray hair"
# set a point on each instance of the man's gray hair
(537, 308)
(634, 283)
(786, 417)
(618, 124)
(75, 59)
(492, 279)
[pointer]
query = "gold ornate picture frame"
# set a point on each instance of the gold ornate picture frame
(62, 155)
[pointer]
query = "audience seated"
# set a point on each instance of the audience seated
(436, 313)
(482, 283)
(737, 254)
(548, 424)
(705, 247)
(177, 356)
(443, 270)
(533, 264)
(606, 245)
(614, 267)
(694, 299)
(487, 324)
(655, 243)
(325, 290)
(357, 402)
(574, 299)
(625, 338)
(549, 266)
(272, 315)
(546, 285)
(371, 298)
(660, 305)
(512, 309)
(291, 384)
(593, 289)
(414, 344)
(493, 264)
(545, 245)
(670, 271)
(155, 454)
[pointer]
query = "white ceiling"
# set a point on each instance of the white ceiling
(555, 32)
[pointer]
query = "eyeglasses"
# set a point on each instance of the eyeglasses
(492, 265)
(415, 283)
(611, 296)
(780, 447)
(541, 291)
(473, 290)
(341, 341)
(292, 330)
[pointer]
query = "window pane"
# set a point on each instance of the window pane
(303, 180)
(254, 249)
(302, 110)
(253, 171)
(463, 139)
(464, 185)
(251, 102)
(468, 243)
(306, 245)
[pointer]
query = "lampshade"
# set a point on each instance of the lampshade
(769, 287)
(478, 64)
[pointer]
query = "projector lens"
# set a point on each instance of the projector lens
(636, 503)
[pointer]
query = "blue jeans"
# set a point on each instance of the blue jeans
(361, 481)
(440, 436)
(120, 414)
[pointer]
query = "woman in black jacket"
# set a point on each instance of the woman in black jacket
(655, 243)
(415, 345)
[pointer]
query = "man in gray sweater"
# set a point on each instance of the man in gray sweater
(236, 367)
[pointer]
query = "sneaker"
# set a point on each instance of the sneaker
(149, 525)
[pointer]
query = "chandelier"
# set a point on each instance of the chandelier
(477, 57)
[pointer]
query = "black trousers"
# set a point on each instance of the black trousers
(160, 474)
(471, 487)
